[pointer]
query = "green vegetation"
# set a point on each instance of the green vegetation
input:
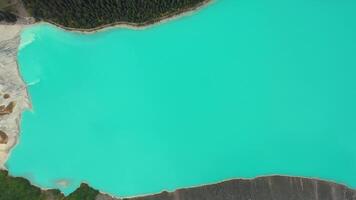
(84, 192)
(87, 14)
(7, 17)
(15, 188)
(5, 11)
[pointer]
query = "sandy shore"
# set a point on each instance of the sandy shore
(11, 86)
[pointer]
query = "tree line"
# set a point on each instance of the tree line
(7, 17)
(17, 188)
(94, 13)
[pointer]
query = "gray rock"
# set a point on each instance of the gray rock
(262, 188)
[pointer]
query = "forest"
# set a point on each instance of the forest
(7, 17)
(86, 14)
(17, 188)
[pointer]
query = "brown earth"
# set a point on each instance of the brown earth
(3, 137)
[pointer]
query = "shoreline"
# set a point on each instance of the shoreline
(313, 180)
(232, 179)
(14, 85)
(133, 26)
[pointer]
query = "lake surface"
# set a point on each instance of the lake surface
(238, 89)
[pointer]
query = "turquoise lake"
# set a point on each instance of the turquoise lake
(238, 89)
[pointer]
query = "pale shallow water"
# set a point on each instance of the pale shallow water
(237, 90)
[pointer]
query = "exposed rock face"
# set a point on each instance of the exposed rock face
(13, 98)
(263, 188)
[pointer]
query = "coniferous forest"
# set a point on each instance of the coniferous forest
(86, 14)
(16, 188)
(7, 17)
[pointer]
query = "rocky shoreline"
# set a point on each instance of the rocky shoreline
(261, 188)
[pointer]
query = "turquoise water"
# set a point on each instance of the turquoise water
(239, 89)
